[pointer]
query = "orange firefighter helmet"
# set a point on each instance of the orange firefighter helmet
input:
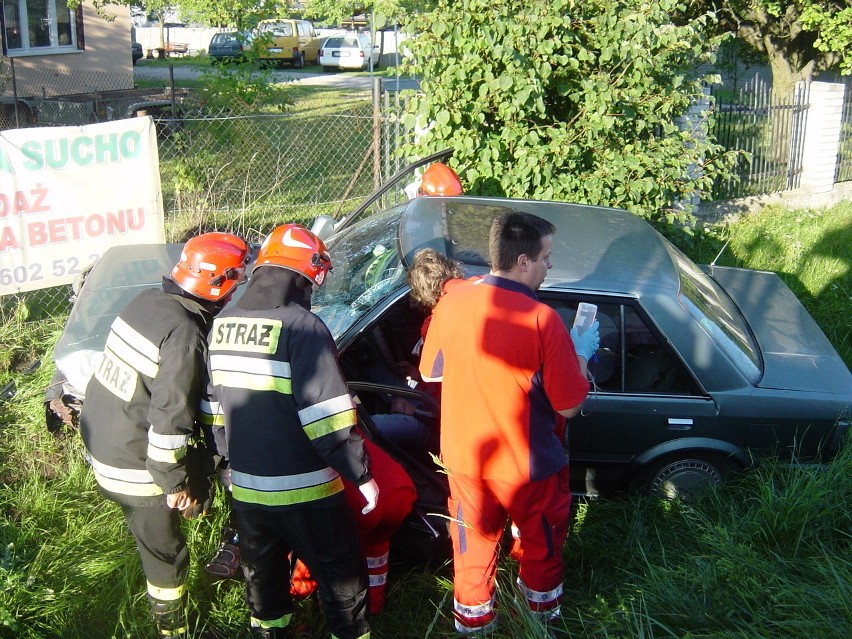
(439, 179)
(211, 265)
(294, 247)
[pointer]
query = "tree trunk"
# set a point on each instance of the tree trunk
(162, 31)
(785, 77)
(784, 80)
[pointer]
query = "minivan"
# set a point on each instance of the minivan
(288, 41)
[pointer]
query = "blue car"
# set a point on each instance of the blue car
(230, 46)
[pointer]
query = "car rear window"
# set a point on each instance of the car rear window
(341, 42)
(224, 38)
(284, 29)
(717, 315)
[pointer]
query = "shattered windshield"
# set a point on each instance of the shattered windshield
(366, 268)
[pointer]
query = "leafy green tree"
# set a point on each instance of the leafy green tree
(571, 100)
(800, 38)
(159, 8)
(834, 31)
(238, 14)
(383, 11)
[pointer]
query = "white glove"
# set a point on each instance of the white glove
(370, 490)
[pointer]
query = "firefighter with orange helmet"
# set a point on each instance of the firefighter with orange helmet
(291, 434)
(138, 421)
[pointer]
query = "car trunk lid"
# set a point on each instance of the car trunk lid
(796, 353)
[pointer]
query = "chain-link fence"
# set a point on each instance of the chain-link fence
(247, 172)
(226, 164)
(46, 97)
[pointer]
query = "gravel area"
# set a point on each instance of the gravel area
(796, 199)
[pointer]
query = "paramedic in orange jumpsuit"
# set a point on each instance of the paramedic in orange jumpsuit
(511, 375)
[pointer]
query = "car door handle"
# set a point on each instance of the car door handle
(679, 424)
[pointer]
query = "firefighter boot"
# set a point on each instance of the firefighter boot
(169, 617)
(225, 564)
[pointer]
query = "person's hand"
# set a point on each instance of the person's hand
(194, 509)
(587, 343)
(370, 490)
(180, 500)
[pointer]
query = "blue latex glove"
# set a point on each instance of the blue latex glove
(587, 343)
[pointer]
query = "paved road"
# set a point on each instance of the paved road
(335, 79)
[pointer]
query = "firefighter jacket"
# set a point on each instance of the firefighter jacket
(289, 418)
(141, 403)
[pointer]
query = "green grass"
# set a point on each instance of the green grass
(768, 555)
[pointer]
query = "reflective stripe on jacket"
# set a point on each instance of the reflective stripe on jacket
(140, 406)
(290, 420)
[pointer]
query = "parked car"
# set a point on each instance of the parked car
(702, 370)
(136, 51)
(350, 51)
(229, 46)
(292, 42)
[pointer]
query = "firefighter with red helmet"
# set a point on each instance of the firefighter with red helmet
(138, 421)
(291, 434)
(440, 180)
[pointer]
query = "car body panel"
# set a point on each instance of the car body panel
(797, 355)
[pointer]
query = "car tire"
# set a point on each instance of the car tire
(682, 475)
(299, 62)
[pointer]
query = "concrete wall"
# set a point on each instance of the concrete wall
(822, 137)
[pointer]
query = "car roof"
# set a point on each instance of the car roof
(594, 248)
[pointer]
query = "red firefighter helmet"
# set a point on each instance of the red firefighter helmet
(439, 179)
(294, 247)
(211, 265)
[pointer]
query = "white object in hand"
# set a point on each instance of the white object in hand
(585, 317)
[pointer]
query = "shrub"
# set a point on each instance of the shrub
(567, 100)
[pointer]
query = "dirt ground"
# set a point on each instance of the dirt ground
(796, 199)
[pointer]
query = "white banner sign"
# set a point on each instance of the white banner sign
(67, 194)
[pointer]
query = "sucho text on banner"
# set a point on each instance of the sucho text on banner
(67, 194)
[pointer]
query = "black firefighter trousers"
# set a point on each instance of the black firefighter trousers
(326, 539)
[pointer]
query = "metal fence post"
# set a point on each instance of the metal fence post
(172, 85)
(14, 92)
(377, 132)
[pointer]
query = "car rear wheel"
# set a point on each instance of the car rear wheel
(299, 63)
(681, 476)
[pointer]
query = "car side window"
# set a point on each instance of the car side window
(631, 358)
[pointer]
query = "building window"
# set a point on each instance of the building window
(40, 26)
